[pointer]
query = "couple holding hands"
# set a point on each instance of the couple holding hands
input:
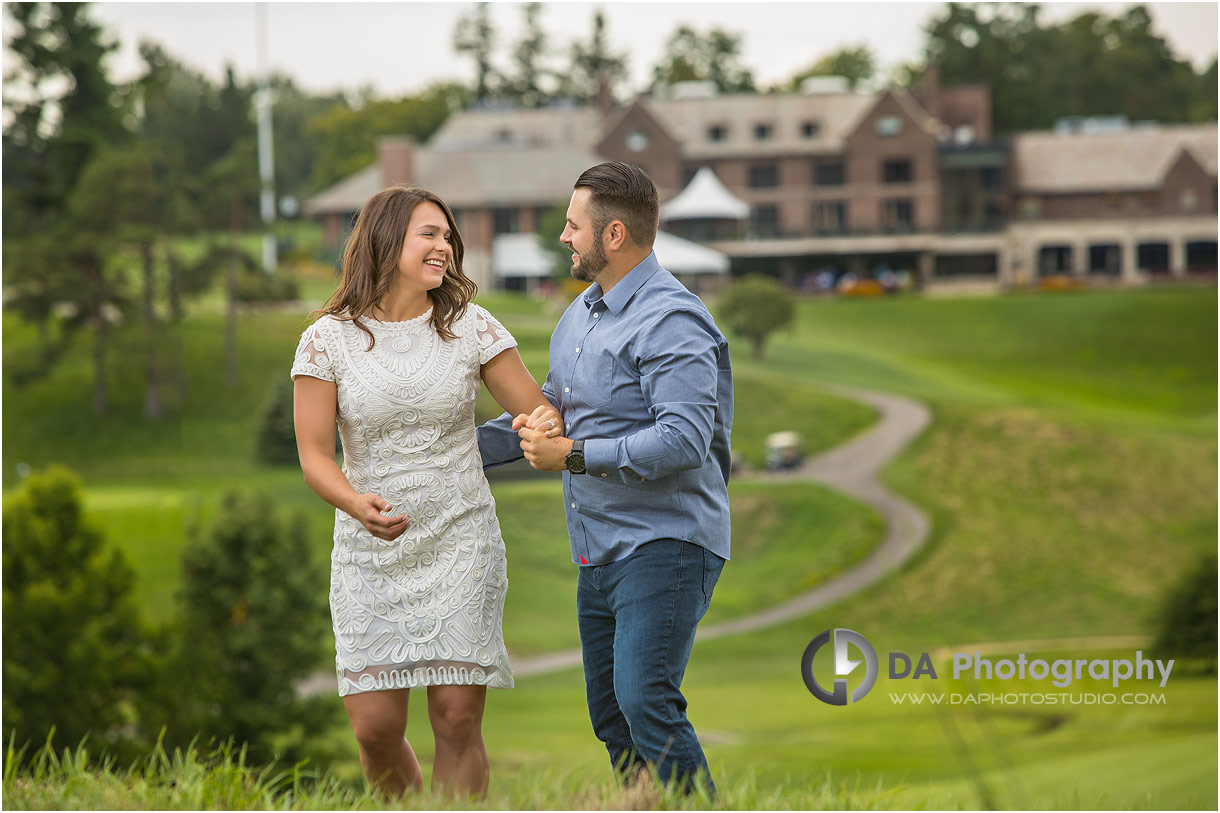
(635, 412)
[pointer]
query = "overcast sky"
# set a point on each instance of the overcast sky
(399, 48)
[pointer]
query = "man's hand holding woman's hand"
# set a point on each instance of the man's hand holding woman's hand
(370, 512)
(545, 417)
(542, 439)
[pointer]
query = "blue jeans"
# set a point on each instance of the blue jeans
(637, 621)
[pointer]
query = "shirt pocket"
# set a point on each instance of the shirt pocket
(595, 377)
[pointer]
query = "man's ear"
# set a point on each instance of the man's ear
(615, 235)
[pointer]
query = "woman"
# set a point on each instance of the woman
(418, 565)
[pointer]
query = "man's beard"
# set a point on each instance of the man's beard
(591, 264)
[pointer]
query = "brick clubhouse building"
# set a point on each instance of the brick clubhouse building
(825, 179)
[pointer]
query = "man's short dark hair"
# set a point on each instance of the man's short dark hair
(622, 192)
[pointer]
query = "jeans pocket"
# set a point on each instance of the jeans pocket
(712, 566)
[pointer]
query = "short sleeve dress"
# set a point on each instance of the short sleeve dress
(425, 609)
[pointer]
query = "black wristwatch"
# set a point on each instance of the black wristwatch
(576, 458)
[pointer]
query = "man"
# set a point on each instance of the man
(640, 375)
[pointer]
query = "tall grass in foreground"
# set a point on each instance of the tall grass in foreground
(74, 779)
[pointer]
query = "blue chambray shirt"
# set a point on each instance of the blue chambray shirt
(642, 375)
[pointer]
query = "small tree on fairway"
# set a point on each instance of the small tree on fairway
(71, 635)
(755, 307)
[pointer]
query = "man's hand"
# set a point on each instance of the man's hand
(542, 452)
(545, 418)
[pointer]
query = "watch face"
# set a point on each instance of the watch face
(576, 463)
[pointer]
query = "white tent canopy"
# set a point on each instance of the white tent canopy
(680, 256)
(705, 197)
(518, 255)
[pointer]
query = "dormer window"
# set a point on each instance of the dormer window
(717, 132)
(762, 132)
(889, 126)
(811, 129)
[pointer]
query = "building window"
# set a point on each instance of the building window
(762, 132)
(1151, 199)
(829, 173)
(637, 141)
(766, 221)
(764, 176)
(811, 129)
(897, 215)
(888, 126)
(1105, 259)
(717, 132)
(830, 217)
(991, 177)
(506, 221)
(896, 170)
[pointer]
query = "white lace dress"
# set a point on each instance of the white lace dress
(426, 608)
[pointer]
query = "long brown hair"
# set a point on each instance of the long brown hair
(370, 262)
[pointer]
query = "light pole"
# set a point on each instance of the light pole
(266, 154)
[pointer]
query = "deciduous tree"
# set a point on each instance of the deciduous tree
(856, 64)
(715, 57)
(475, 36)
(754, 308)
(1092, 64)
(592, 63)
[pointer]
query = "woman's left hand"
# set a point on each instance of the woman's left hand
(544, 417)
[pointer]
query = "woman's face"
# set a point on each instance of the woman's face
(426, 248)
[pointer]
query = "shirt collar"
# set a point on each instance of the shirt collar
(621, 293)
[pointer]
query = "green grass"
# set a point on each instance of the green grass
(1070, 474)
(773, 748)
(1127, 356)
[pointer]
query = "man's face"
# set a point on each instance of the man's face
(588, 255)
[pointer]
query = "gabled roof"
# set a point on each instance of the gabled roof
(566, 127)
(346, 196)
(1137, 158)
(477, 178)
(491, 176)
(705, 197)
(689, 121)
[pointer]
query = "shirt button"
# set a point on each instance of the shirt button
(578, 350)
(567, 389)
(569, 427)
(603, 474)
(573, 505)
(596, 314)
